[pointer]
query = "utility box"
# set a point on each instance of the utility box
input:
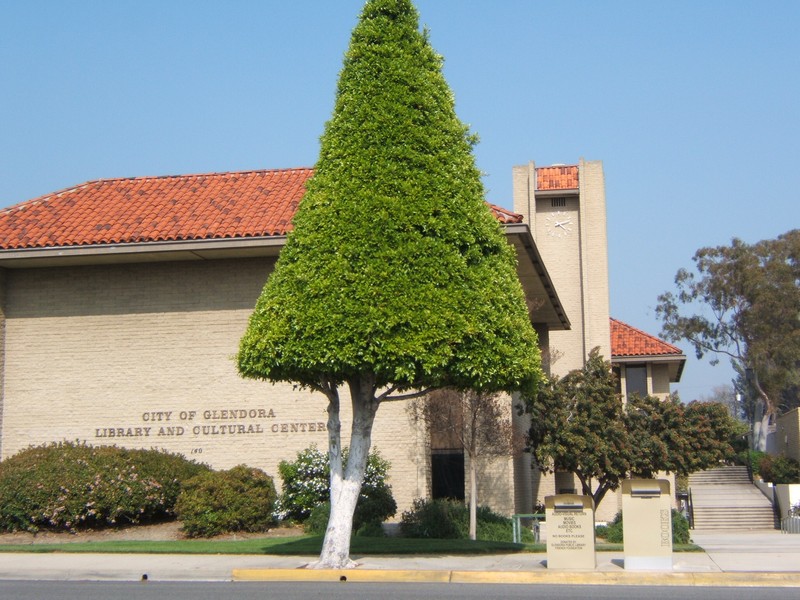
(647, 524)
(570, 532)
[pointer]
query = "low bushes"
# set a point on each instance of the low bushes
(612, 532)
(751, 458)
(214, 502)
(365, 523)
(70, 485)
(779, 469)
(306, 486)
(449, 519)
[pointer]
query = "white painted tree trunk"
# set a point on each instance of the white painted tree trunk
(346, 481)
(473, 499)
(760, 432)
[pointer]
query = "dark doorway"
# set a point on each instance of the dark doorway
(447, 474)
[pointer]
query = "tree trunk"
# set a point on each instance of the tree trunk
(760, 430)
(473, 500)
(763, 412)
(346, 482)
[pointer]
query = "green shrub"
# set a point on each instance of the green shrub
(241, 499)
(449, 519)
(306, 485)
(680, 528)
(751, 458)
(317, 521)
(612, 533)
(70, 485)
(366, 520)
(373, 530)
(779, 469)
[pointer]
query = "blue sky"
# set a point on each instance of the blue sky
(692, 106)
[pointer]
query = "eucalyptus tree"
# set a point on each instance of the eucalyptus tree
(396, 277)
(743, 301)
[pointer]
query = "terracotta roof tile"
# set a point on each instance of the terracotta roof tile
(629, 341)
(503, 215)
(148, 209)
(152, 209)
(557, 178)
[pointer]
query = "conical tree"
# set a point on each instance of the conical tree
(396, 277)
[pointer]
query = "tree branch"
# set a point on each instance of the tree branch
(385, 397)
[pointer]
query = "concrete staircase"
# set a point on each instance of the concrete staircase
(724, 498)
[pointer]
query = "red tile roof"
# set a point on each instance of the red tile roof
(629, 341)
(152, 209)
(557, 178)
(503, 215)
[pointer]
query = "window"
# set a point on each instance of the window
(447, 474)
(558, 202)
(636, 380)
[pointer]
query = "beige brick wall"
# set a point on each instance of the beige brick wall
(659, 380)
(594, 257)
(2, 350)
(142, 356)
(788, 434)
(577, 262)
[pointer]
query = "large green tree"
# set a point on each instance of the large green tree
(396, 277)
(579, 424)
(743, 302)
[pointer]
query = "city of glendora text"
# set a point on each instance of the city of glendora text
(173, 423)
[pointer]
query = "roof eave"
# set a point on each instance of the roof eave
(523, 234)
(678, 362)
(199, 249)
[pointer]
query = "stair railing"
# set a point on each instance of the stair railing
(686, 506)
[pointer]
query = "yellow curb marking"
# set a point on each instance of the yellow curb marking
(738, 579)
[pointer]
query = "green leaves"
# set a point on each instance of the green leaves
(579, 425)
(743, 302)
(395, 266)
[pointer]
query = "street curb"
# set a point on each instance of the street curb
(738, 579)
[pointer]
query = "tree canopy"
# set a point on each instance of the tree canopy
(396, 275)
(580, 425)
(743, 302)
(396, 266)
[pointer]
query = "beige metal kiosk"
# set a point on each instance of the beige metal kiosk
(647, 524)
(570, 532)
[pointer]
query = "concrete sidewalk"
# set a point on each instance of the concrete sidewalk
(755, 559)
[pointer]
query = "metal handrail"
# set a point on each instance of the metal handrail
(516, 526)
(690, 508)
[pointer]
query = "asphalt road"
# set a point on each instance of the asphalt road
(102, 590)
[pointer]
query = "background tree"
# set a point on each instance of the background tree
(725, 394)
(396, 276)
(478, 422)
(579, 425)
(743, 303)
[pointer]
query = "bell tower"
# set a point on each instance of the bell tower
(565, 208)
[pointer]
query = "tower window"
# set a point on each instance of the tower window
(558, 202)
(636, 380)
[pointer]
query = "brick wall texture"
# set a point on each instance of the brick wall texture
(142, 355)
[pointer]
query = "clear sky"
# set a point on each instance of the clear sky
(693, 107)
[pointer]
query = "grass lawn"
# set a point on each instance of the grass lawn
(303, 546)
